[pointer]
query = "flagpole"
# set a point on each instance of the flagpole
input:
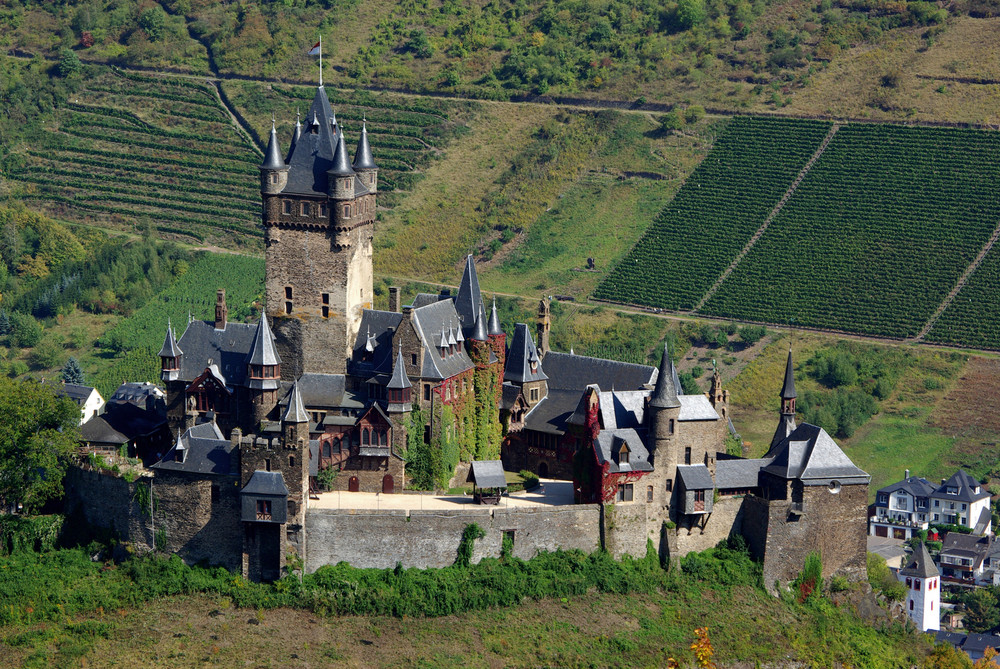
(321, 61)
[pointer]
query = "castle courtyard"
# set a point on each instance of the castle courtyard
(549, 493)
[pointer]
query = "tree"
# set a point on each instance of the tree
(72, 372)
(689, 13)
(981, 612)
(38, 433)
(672, 120)
(154, 22)
(69, 63)
(25, 331)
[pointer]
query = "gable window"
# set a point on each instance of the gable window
(623, 455)
(263, 509)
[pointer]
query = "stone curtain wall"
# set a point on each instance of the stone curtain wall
(726, 519)
(380, 539)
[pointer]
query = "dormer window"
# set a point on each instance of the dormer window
(623, 454)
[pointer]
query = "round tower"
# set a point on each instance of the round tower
(273, 171)
(341, 175)
(364, 163)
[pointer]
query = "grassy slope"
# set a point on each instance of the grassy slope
(590, 630)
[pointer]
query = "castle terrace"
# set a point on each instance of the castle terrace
(549, 493)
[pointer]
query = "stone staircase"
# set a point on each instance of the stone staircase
(770, 217)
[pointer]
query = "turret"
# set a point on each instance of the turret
(221, 310)
(786, 417)
(469, 298)
(665, 410)
(364, 163)
(273, 171)
(170, 356)
(544, 325)
(263, 363)
(399, 389)
(341, 175)
(524, 366)
(295, 420)
(498, 339)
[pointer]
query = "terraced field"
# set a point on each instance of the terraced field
(871, 241)
(715, 214)
(875, 236)
(131, 146)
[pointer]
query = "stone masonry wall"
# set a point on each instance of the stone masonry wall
(726, 519)
(423, 539)
(624, 528)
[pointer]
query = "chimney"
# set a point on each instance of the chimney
(906, 474)
(221, 312)
(394, 301)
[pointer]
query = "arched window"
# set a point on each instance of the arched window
(365, 437)
(384, 439)
(326, 449)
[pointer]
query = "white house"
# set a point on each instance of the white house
(901, 509)
(87, 398)
(923, 590)
(961, 500)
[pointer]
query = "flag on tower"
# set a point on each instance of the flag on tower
(315, 50)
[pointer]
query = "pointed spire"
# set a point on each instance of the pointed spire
(170, 348)
(444, 339)
(459, 337)
(451, 337)
(272, 157)
(665, 393)
(263, 350)
(493, 329)
(399, 380)
(788, 389)
(920, 564)
(522, 352)
(296, 135)
(479, 332)
(341, 162)
(296, 411)
(469, 299)
(370, 341)
(363, 159)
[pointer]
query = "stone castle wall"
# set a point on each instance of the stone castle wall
(726, 519)
(380, 539)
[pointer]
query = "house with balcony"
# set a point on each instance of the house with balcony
(961, 500)
(901, 509)
(963, 558)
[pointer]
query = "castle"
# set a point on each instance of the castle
(324, 383)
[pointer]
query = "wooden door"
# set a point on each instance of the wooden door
(352, 485)
(388, 486)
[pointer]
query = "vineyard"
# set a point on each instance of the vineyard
(131, 147)
(973, 318)
(136, 339)
(875, 236)
(871, 241)
(406, 133)
(715, 214)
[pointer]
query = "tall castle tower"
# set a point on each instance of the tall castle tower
(319, 219)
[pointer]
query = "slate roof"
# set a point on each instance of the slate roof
(272, 156)
(205, 452)
(508, 397)
(262, 350)
(423, 299)
(74, 391)
(374, 451)
(428, 322)
(695, 407)
(295, 412)
(325, 391)
(738, 473)
(983, 524)
(493, 328)
(313, 154)
(522, 352)
(399, 380)
(810, 455)
(916, 486)
(966, 488)
(313, 457)
(552, 413)
(469, 301)
(170, 349)
(295, 138)
(920, 564)
(978, 643)
(136, 393)
(957, 544)
(381, 325)
(479, 330)
(665, 394)
(227, 349)
(695, 477)
(608, 443)
(266, 483)
(788, 388)
(623, 409)
(487, 474)
(341, 165)
(98, 430)
(363, 159)
(575, 372)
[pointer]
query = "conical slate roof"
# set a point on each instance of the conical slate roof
(469, 299)
(479, 328)
(296, 411)
(493, 329)
(341, 166)
(272, 157)
(363, 155)
(399, 378)
(262, 350)
(295, 139)
(920, 564)
(665, 393)
(170, 348)
(788, 389)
